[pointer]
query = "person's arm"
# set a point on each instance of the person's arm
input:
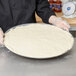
(59, 22)
(1, 36)
(43, 10)
(48, 15)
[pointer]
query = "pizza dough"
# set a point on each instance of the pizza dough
(38, 40)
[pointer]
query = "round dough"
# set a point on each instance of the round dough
(38, 40)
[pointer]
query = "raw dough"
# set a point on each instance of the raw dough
(38, 40)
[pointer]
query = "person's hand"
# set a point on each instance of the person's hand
(59, 23)
(1, 36)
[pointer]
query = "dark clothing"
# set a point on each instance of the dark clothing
(16, 12)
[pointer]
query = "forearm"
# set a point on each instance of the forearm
(43, 10)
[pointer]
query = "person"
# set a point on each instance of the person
(16, 12)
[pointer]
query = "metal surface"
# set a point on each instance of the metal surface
(73, 31)
(73, 28)
(14, 65)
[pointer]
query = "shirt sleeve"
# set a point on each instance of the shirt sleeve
(43, 10)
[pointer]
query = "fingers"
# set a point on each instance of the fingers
(1, 43)
(63, 25)
(64, 28)
(1, 37)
